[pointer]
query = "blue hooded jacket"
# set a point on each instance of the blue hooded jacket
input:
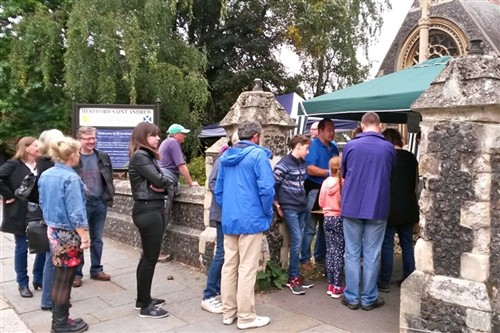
(245, 189)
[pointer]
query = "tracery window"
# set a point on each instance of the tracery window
(440, 45)
(445, 39)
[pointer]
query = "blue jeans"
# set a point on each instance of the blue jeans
(48, 278)
(362, 236)
(214, 272)
(405, 233)
(96, 215)
(310, 230)
(21, 262)
(295, 222)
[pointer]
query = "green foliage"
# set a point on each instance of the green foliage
(272, 277)
(327, 35)
(31, 93)
(241, 44)
(196, 169)
(196, 56)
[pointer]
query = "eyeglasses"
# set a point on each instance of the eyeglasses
(88, 139)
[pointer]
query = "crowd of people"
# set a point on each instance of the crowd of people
(353, 204)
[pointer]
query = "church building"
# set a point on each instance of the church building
(448, 26)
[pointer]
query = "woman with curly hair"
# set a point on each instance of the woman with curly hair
(61, 194)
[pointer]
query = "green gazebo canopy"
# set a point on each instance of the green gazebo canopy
(390, 96)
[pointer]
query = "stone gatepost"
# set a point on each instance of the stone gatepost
(456, 287)
(276, 125)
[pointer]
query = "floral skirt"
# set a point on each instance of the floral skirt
(65, 247)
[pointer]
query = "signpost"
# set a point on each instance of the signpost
(114, 124)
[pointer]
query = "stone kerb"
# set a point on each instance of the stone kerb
(456, 287)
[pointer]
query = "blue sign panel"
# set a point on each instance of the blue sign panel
(115, 142)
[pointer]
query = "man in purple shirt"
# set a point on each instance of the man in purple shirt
(172, 160)
(367, 163)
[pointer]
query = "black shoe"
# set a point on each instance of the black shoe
(25, 292)
(61, 323)
(72, 326)
(349, 305)
(46, 308)
(383, 288)
(377, 304)
(37, 285)
(153, 312)
(155, 302)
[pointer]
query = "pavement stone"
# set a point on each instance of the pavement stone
(109, 306)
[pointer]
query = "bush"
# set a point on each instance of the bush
(197, 170)
(272, 277)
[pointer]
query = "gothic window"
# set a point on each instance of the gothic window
(445, 39)
(440, 45)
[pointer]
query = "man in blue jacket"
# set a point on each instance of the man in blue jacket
(367, 163)
(245, 191)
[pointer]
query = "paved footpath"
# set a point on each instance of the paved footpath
(109, 306)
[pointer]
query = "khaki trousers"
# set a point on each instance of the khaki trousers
(239, 273)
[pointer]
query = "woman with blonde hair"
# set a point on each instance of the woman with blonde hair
(62, 200)
(15, 211)
(148, 186)
(45, 162)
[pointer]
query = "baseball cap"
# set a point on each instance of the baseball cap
(176, 128)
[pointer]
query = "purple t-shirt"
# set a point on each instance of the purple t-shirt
(367, 163)
(171, 155)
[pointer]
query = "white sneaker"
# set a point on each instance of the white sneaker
(230, 320)
(257, 322)
(212, 305)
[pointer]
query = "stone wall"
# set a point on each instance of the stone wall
(456, 287)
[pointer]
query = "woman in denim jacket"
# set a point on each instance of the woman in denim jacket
(63, 204)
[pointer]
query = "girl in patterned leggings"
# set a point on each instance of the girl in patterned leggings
(329, 201)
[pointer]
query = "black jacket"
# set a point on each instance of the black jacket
(404, 203)
(12, 174)
(106, 169)
(144, 171)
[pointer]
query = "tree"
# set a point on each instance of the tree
(241, 44)
(327, 36)
(125, 52)
(31, 89)
(114, 51)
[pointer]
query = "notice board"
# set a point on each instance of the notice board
(114, 124)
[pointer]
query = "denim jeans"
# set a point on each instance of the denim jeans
(96, 215)
(149, 218)
(405, 233)
(21, 262)
(295, 222)
(214, 272)
(362, 236)
(48, 279)
(310, 230)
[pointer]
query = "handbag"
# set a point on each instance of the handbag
(26, 188)
(36, 232)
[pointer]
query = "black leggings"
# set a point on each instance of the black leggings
(148, 217)
(61, 286)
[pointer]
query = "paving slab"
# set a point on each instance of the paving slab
(109, 306)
